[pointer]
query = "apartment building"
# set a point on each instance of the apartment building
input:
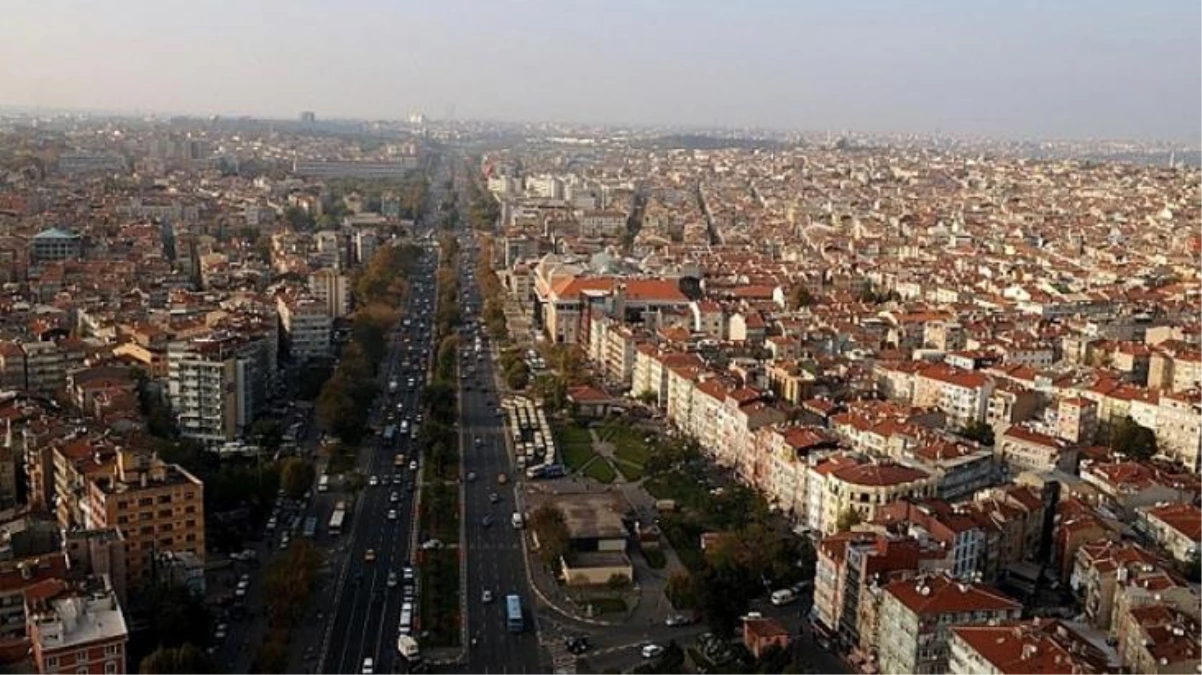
(47, 363)
(962, 395)
(1174, 526)
(1035, 646)
(306, 327)
(865, 487)
(366, 170)
(1021, 449)
(331, 289)
(602, 223)
(917, 615)
(55, 244)
(1179, 427)
(77, 627)
(1076, 419)
(216, 385)
(1161, 639)
(158, 508)
(16, 577)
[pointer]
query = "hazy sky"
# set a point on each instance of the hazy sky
(1012, 68)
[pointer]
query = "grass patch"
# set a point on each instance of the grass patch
(608, 605)
(600, 471)
(439, 517)
(685, 490)
(629, 470)
(573, 435)
(656, 559)
(439, 597)
(576, 456)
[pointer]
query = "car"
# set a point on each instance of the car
(373, 481)
(677, 620)
(752, 615)
(221, 631)
(369, 555)
(407, 574)
(431, 545)
(486, 596)
(502, 479)
(397, 479)
(651, 651)
(494, 497)
(392, 514)
(409, 593)
(471, 476)
(394, 497)
(478, 440)
(486, 521)
(392, 580)
(369, 666)
(413, 465)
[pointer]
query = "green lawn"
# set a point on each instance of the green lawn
(439, 517)
(686, 491)
(573, 435)
(601, 471)
(633, 454)
(576, 456)
(630, 471)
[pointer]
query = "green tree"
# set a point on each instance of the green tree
(550, 526)
(848, 519)
(299, 219)
(177, 616)
(723, 594)
(267, 434)
(1130, 438)
(679, 590)
(186, 658)
(296, 477)
(978, 431)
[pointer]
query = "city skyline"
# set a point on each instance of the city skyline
(1037, 71)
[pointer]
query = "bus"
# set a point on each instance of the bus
(513, 614)
(337, 518)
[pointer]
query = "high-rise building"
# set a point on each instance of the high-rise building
(308, 117)
(215, 385)
(332, 289)
(306, 327)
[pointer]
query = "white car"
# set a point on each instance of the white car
(374, 481)
(392, 514)
(413, 465)
(652, 651)
(369, 666)
(486, 596)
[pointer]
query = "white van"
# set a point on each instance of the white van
(783, 597)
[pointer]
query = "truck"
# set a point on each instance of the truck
(408, 649)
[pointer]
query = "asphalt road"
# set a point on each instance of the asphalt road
(366, 613)
(495, 559)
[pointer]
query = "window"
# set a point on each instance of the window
(51, 663)
(164, 499)
(112, 650)
(81, 656)
(110, 667)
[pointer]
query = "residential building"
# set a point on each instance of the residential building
(917, 615)
(216, 385)
(332, 289)
(306, 327)
(869, 486)
(1036, 646)
(77, 627)
(158, 507)
(55, 244)
(1021, 449)
(1174, 526)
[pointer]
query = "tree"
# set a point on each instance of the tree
(723, 594)
(177, 616)
(267, 434)
(186, 658)
(801, 297)
(296, 477)
(848, 519)
(978, 431)
(550, 526)
(679, 590)
(1133, 440)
